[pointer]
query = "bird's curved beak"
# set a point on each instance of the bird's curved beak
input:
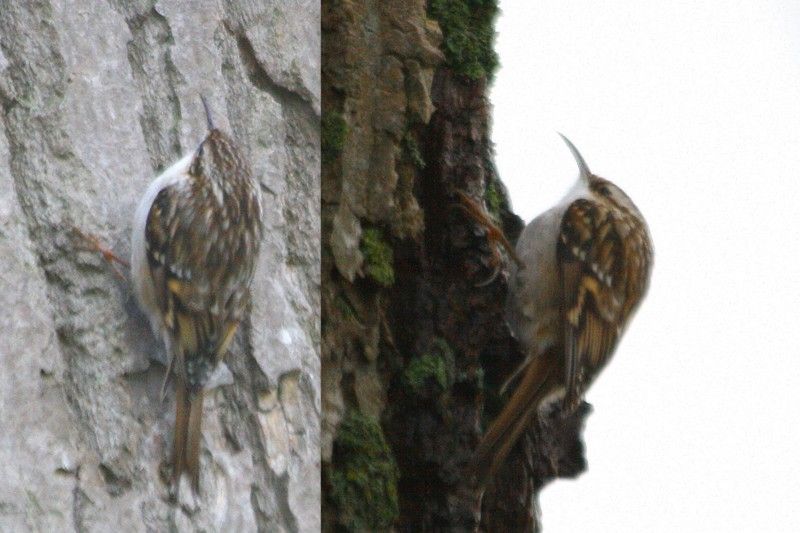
(583, 168)
(209, 122)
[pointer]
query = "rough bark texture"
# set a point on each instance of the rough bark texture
(97, 98)
(413, 351)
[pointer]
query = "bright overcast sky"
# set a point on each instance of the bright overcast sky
(693, 108)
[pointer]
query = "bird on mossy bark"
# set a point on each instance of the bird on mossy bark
(581, 270)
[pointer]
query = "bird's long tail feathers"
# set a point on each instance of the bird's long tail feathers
(186, 448)
(505, 430)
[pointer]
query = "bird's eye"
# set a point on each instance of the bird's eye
(604, 190)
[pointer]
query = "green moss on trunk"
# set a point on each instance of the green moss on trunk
(363, 478)
(493, 200)
(468, 29)
(437, 367)
(378, 257)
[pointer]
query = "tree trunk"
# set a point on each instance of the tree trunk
(97, 99)
(414, 345)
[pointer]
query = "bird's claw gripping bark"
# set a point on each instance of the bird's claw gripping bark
(91, 243)
(494, 235)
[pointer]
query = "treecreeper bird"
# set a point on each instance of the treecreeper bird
(196, 236)
(587, 264)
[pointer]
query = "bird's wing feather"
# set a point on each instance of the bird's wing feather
(593, 283)
(195, 302)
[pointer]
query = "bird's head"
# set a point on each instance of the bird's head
(217, 157)
(597, 185)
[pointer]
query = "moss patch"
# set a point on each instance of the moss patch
(493, 199)
(422, 369)
(363, 479)
(378, 257)
(334, 131)
(437, 366)
(468, 28)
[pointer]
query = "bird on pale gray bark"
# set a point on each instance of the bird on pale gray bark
(586, 267)
(196, 235)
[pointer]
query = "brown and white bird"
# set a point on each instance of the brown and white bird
(587, 264)
(196, 236)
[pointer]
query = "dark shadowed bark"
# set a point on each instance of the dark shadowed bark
(414, 346)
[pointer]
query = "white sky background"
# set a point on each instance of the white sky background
(694, 110)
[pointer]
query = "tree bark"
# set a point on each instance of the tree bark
(97, 99)
(414, 347)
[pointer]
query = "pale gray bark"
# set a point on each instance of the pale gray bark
(97, 98)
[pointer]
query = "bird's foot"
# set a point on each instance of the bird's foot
(494, 235)
(91, 243)
(167, 374)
